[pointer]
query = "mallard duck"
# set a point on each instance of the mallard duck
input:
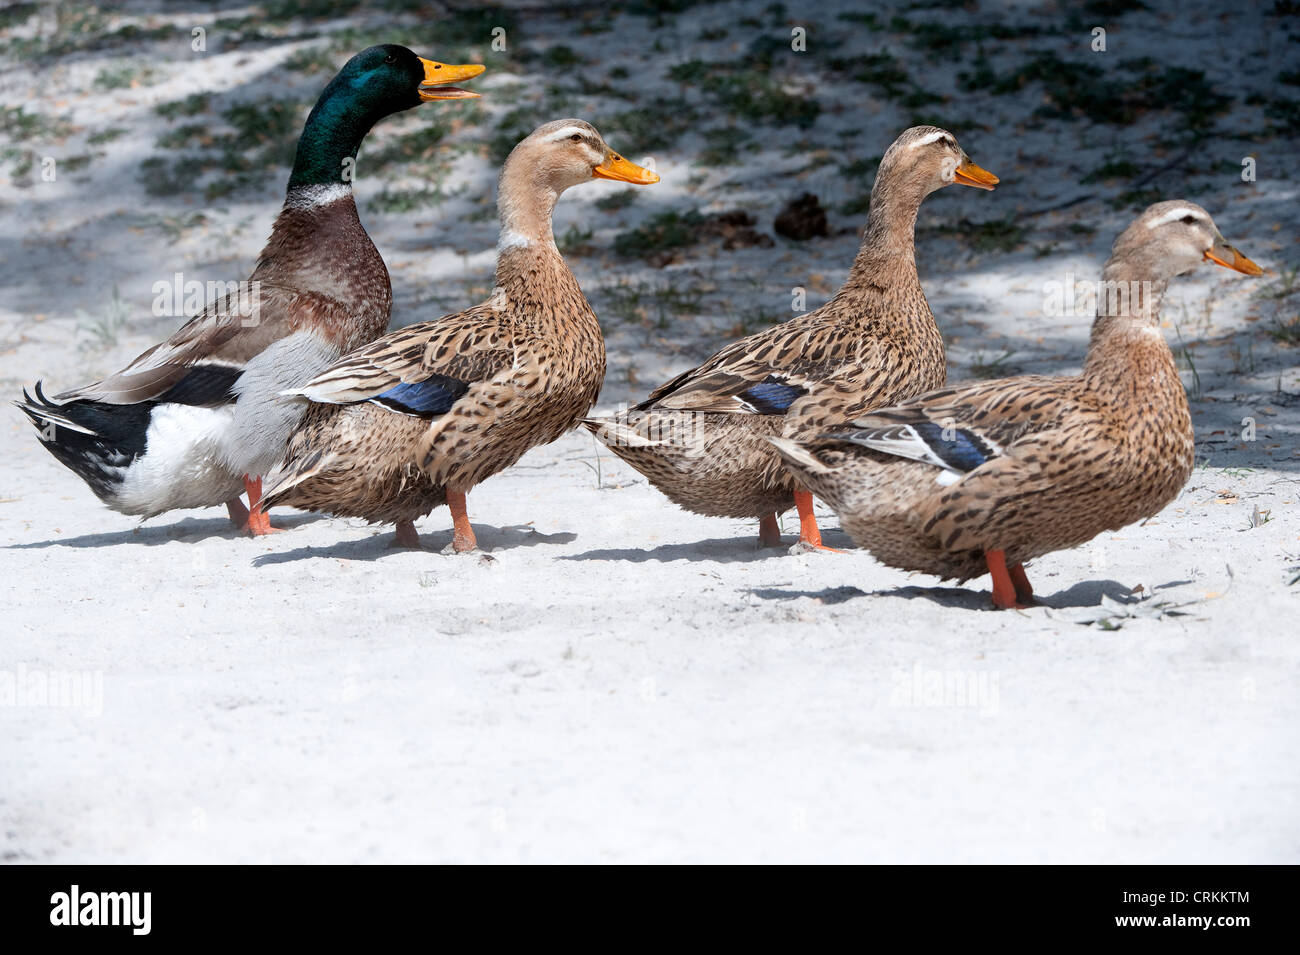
(197, 419)
(419, 417)
(988, 475)
(700, 438)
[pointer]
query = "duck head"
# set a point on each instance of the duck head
(388, 78)
(1175, 237)
(927, 158)
(567, 152)
(552, 158)
(375, 83)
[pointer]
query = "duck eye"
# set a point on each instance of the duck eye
(576, 137)
(1189, 220)
(390, 58)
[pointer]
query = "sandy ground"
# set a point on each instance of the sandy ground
(622, 681)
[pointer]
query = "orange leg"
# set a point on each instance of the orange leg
(406, 535)
(1004, 591)
(769, 531)
(808, 532)
(238, 513)
(259, 524)
(1024, 590)
(463, 539)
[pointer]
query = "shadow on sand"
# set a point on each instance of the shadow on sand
(720, 549)
(375, 546)
(1085, 594)
(190, 530)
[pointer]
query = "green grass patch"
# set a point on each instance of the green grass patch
(420, 145)
(746, 90)
(994, 235)
(1138, 198)
(78, 28)
(124, 75)
(724, 146)
(18, 125)
(17, 14)
(252, 143)
(312, 61)
(107, 135)
(649, 304)
(662, 231)
(861, 174)
(575, 240)
(996, 366)
(617, 200)
(191, 105)
(654, 126)
(392, 200)
(1117, 95)
(1113, 169)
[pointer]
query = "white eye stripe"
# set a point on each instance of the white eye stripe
(934, 137)
(1177, 213)
(568, 131)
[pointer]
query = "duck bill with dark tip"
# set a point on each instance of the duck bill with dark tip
(622, 170)
(969, 174)
(1227, 256)
(438, 75)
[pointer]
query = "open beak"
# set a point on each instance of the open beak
(969, 174)
(437, 75)
(1225, 255)
(620, 170)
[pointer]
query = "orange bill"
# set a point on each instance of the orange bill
(621, 170)
(438, 75)
(969, 174)
(1225, 255)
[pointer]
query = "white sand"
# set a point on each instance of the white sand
(624, 681)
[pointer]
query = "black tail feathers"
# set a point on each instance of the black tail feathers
(95, 440)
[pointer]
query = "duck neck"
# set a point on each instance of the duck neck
(887, 257)
(1128, 319)
(525, 204)
(526, 247)
(327, 148)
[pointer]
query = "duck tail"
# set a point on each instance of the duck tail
(289, 474)
(94, 440)
(797, 456)
(617, 433)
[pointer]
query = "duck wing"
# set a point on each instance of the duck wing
(201, 361)
(422, 369)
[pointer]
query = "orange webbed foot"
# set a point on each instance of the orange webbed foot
(1019, 580)
(810, 537)
(1006, 595)
(463, 540)
(258, 523)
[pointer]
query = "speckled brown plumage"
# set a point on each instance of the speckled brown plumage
(701, 438)
(428, 412)
(1029, 465)
(534, 359)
